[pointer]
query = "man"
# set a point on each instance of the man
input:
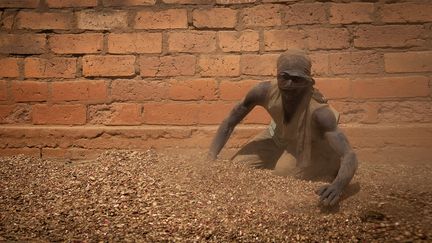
(303, 138)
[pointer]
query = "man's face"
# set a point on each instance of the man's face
(287, 82)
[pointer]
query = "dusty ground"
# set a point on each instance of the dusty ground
(180, 196)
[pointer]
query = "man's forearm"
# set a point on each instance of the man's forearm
(219, 141)
(347, 169)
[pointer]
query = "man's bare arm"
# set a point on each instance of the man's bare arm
(256, 96)
(330, 194)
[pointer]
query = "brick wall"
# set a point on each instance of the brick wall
(81, 76)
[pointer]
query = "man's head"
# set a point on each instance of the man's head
(294, 70)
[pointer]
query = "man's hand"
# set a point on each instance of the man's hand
(329, 194)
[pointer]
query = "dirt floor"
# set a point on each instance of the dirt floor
(181, 196)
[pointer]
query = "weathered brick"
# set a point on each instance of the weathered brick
(386, 87)
(38, 21)
(109, 3)
(138, 90)
(167, 66)
(19, 3)
(9, 67)
(164, 19)
(198, 89)
(71, 3)
(406, 12)
(420, 61)
(334, 88)
(31, 152)
(188, 1)
(235, 90)
(355, 62)
(81, 90)
(320, 63)
(405, 112)
(107, 20)
(108, 65)
(43, 114)
(3, 90)
(195, 41)
(116, 114)
(233, 41)
(259, 64)
(390, 36)
(214, 18)
(215, 113)
(219, 65)
(234, 1)
(347, 13)
(76, 43)
(328, 38)
(22, 43)
(284, 39)
(29, 91)
(57, 67)
(261, 16)
(7, 20)
(306, 13)
(135, 43)
(14, 114)
(371, 113)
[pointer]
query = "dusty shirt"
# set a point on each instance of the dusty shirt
(300, 136)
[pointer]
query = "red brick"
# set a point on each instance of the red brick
(135, 43)
(3, 90)
(257, 116)
(387, 87)
(116, 114)
(9, 67)
(22, 43)
(19, 3)
(32, 152)
(234, 1)
(215, 18)
(219, 65)
(71, 3)
(307, 13)
(235, 90)
(328, 38)
(390, 36)
(29, 91)
(128, 2)
(76, 43)
(259, 64)
(234, 41)
(171, 113)
(347, 13)
(96, 20)
(14, 114)
(188, 1)
(334, 88)
(420, 61)
(138, 90)
(261, 16)
(198, 89)
(58, 67)
(164, 19)
(195, 41)
(275, 40)
(38, 21)
(405, 112)
(320, 63)
(108, 65)
(167, 66)
(81, 90)
(213, 114)
(58, 114)
(355, 62)
(406, 12)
